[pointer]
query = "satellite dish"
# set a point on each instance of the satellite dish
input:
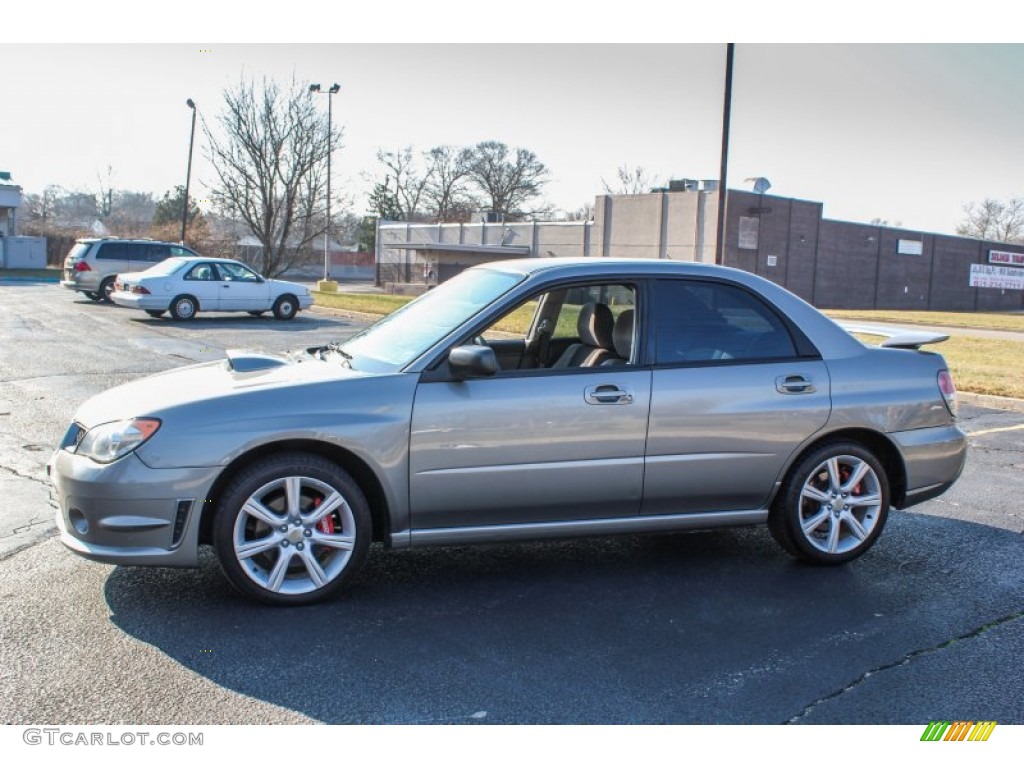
(761, 184)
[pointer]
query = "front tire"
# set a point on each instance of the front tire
(285, 307)
(155, 312)
(184, 307)
(292, 529)
(833, 505)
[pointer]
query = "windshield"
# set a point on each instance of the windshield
(406, 333)
(166, 267)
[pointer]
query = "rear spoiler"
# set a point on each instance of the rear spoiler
(896, 338)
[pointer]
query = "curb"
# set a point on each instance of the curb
(992, 401)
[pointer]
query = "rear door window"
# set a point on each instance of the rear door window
(701, 322)
(116, 251)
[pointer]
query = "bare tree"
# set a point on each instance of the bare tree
(507, 178)
(408, 181)
(998, 220)
(447, 174)
(584, 213)
(106, 193)
(270, 159)
(630, 181)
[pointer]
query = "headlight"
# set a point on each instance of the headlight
(109, 442)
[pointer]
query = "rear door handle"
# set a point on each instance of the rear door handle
(795, 384)
(607, 394)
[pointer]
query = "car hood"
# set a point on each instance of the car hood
(241, 372)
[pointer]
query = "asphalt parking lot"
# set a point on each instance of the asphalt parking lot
(714, 627)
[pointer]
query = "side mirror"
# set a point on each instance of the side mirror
(472, 362)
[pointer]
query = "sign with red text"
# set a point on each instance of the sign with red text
(1006, 257)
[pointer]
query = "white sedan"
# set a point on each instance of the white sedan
(184, 286)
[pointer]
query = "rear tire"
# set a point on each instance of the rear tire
(106, 288)
(258, 314)
(184, 307)
(155, 312)
(292, 529)
(832, 506)
(285, 307)
(92, 295)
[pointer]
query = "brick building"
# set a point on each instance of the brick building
(831, 264)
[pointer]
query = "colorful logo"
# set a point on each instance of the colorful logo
(960, 730)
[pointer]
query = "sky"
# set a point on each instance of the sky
(907, 132)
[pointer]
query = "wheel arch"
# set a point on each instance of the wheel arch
(878, 443)
(361, 472)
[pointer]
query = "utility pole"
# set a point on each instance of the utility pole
(726, 111)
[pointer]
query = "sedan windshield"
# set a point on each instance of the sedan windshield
(398, 339)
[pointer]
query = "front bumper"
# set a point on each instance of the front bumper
(933, 458)
(127, 513)
(305, 302)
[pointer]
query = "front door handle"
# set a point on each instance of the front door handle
(607, 394)
(794, 384)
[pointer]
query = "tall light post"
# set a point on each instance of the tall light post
(188, 174)
(315, 88)
(722, 194)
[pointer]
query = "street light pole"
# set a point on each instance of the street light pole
(188, 175)
(315, 88)
(726, 112)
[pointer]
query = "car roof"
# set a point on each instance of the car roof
(592, 265)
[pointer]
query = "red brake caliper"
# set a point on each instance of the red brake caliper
(326, 524)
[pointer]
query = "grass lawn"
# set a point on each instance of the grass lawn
(999, 321)
(371, 303)
(984, 366)
(55, 272)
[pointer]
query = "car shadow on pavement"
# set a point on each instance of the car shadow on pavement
(708, 627)
(243, 321)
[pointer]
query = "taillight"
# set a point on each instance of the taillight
(82, 266)
(948, 390)
(140, 289)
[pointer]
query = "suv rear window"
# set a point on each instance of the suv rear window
(78, 251)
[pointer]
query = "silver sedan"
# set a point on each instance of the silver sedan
(520, 400)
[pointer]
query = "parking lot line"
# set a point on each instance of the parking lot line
(995, 429)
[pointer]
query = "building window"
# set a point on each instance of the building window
(748, 232)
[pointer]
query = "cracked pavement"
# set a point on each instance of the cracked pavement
(712, 627)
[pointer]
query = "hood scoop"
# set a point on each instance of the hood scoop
(246, 361)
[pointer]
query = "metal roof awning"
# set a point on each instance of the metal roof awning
(490, 250)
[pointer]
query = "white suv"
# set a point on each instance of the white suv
(92, 263)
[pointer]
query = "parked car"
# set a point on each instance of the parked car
(92, 263)
(519, 400)
(184, 286)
